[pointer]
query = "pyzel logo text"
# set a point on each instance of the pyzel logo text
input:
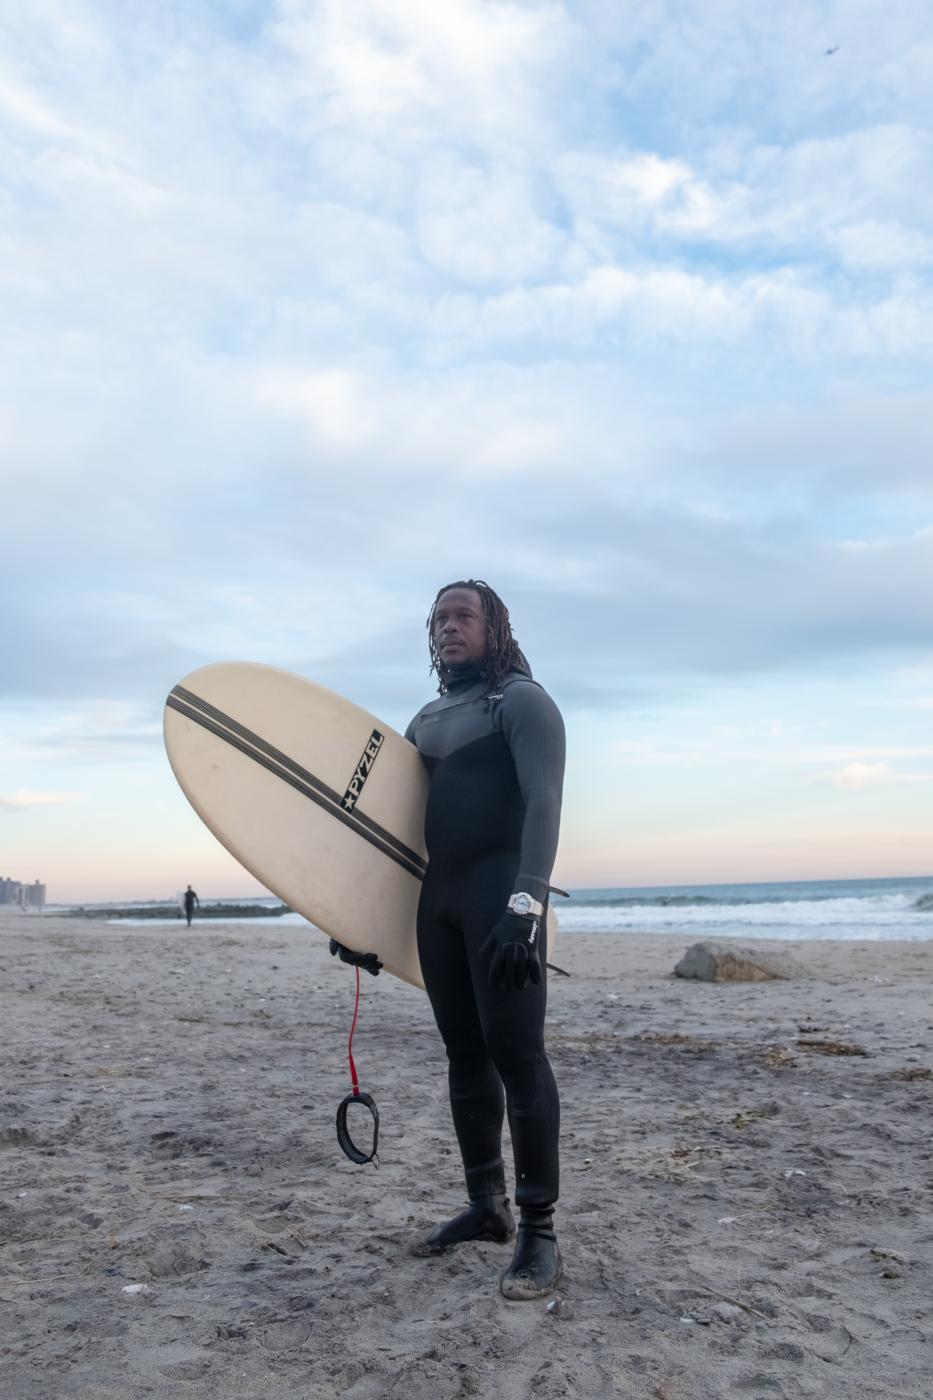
(363, 769)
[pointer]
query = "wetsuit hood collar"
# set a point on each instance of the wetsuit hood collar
(467, 673)
(464, 674)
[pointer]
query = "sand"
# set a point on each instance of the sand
(741, 1216)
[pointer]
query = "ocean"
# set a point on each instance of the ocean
(879, 909)
(793, 909)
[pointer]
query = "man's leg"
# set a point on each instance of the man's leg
(513, 1030)
(476, 1099)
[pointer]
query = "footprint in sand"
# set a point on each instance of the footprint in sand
(287, 1334)
(174, 1261)
(170, 1144)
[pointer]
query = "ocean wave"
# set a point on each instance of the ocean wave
(887, 915)
(793, 901)
(646, 901)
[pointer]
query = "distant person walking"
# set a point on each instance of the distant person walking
(191, 900)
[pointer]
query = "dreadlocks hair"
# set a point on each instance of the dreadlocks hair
(503, 654)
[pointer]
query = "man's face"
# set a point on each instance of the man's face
(460, 627)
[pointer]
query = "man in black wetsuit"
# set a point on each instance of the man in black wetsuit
(191, 900)
(493, 745)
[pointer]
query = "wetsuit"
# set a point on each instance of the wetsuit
(496, 764)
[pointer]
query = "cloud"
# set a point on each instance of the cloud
(711, 57)
(866, 762)
(681, 594)
(862, 755)
(318, 304)
(881, 246)
(195, 215)
(92, 732)
(618, 582)
(834, 448)
(861, 775)
(398, 73)
(25, 798)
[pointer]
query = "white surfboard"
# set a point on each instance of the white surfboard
(318, 799)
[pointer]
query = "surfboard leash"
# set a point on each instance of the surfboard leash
(357, 1096)
(552, 967)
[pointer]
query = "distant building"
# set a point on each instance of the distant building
(25, 896)
(9, 890)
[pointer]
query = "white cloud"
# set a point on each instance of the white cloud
(399, 72)
(482, 225)
(851, 443)
(867, 763)
(862, 756)
(862, 198)
(861, 775)
(878, 245)
(329, 401)
(491, 420)
(21, 105)
(25, 798)
(378, 250)
(95, 731)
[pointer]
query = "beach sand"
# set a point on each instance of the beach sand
(740, 1216)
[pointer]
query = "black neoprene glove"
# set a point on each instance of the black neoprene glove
(512, 947)
(368, 961)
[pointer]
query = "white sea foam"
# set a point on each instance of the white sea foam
(867, 916)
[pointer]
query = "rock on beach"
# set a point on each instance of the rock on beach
(725, 962)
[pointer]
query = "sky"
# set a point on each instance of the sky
(311, 306)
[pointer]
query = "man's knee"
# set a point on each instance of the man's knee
(519, 1068)
(468, 1060)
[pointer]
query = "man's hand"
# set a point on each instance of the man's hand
(368, 961)
(512, 947)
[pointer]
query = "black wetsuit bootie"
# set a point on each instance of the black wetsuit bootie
(536, 1264)
(485, 1218)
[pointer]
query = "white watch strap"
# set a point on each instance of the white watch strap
(530, 906)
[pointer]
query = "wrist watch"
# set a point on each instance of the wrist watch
(522, 903)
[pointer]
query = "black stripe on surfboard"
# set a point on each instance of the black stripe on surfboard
(389, 848)
(317, 783)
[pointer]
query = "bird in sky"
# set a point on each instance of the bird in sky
(831, 51)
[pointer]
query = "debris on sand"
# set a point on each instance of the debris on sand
(687, 1042)
(831, 1047)
(749, 1115)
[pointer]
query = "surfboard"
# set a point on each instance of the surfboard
(318, 799)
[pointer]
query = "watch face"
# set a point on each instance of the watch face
(522, 904)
